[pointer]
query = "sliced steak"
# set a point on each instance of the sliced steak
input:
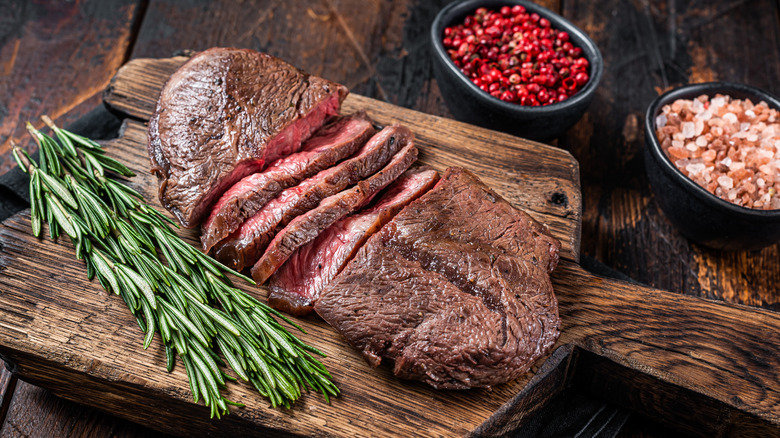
(245, 246)
(327, 147)
(308, 226)
(296, 286)
(454, 290)
(225, 114)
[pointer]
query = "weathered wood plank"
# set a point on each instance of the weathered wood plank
(35, 412)
(649, 47)
(7, 386)
(54, 57)
(682, 412)
(339, 40)
(378, 49)
(687, 341)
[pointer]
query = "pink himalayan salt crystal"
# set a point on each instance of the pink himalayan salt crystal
(730, 147)
(688, 129)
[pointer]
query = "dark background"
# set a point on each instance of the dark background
(57, 57)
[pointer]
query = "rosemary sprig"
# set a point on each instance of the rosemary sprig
(170, 287)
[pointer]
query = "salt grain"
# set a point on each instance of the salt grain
(695, 169)
(698, 127)
(731, 147)
(737, 165)
(688, 130)
(726, 182)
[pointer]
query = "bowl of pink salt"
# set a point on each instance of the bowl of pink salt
(712, 157)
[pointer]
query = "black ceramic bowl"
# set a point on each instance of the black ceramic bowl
(470, 104)
(699, 215)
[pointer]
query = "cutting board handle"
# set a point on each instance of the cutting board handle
(723, 352)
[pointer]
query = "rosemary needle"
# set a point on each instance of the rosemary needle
(170, 287)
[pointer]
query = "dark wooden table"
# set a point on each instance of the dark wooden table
(57, 57)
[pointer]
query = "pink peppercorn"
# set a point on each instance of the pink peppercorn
(501, 50)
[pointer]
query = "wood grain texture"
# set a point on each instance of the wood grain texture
(665, 403)
(378, 49)
(551, 379)
(724, 352)
(54, 56)
(7, 386)
(337, 39)
(649, 47)
(35, 412)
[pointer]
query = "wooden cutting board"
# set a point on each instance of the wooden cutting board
(672, 352)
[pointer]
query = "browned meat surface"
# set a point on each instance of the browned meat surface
(296, 286)
(225, 114)
(246, 245)
(306, 227)
(328, 146)
(454, 291)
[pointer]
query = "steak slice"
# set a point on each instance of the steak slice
(454, 290)
(327, 147)
(225, 114)
(245, 246)
(308, 226)
(296, 286)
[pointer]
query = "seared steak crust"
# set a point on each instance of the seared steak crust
(455, 290)
(225, 114)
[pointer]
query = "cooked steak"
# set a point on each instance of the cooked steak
(328, 146)
(245, 246)
(296, 286)
(455, 290)
(225, 114)
(306, 227)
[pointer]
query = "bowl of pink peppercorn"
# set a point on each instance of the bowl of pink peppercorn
(514, 66)
(712, 157)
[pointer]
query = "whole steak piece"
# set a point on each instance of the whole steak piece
(225, 114)
(454, 291)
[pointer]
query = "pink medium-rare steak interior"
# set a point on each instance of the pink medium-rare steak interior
(309, 225)
(296, 286)
(453, 291)
(225, 114)
(246, 245)
(328, 146)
